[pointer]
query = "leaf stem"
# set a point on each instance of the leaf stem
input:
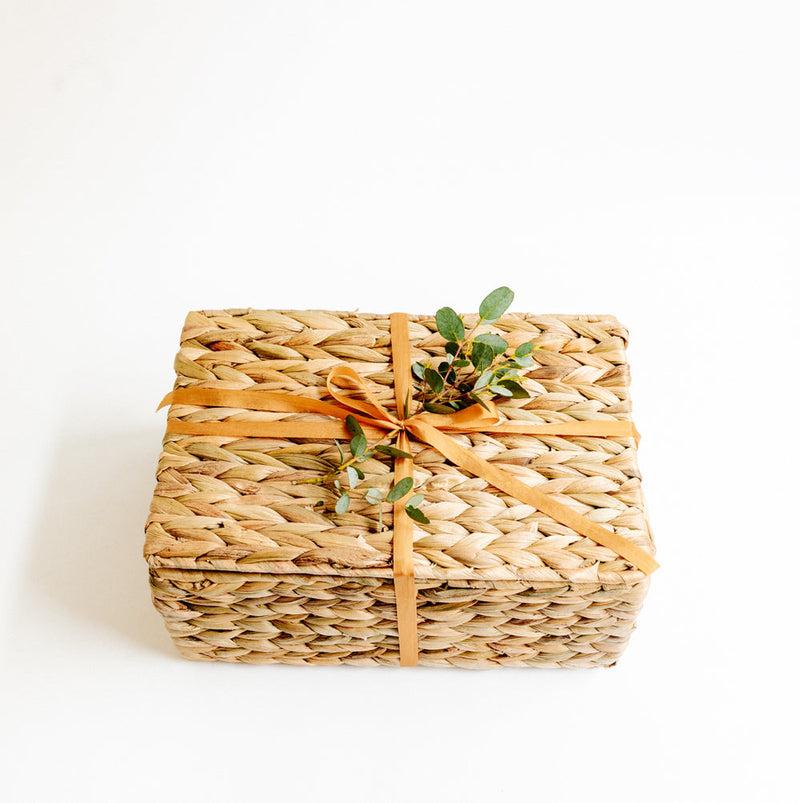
(349, 462)
(460, 348)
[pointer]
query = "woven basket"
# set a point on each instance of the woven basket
(249, 564)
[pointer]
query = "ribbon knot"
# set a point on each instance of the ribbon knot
(372, 412)
(425, 427)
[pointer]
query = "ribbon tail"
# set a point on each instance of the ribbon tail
(561, 513)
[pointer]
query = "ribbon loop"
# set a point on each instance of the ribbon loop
(372, 407)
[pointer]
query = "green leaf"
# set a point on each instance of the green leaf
(393, 451)
(352, 476)
(481, 356)
(343, 503)
(478, 400)
(524, 362)
(359, 472)
(373, 495)
(517, 391)
(500, 390)
(416, 500)
(439, 409)
(460, 363)
(523, 349)
(341, 453)
(495, 304)
(401, 488)
(353, 427)
(451, 348)
(416, 514)
(358, 445)
(495, 342)
(450, 326)
(418, 369)
(483, 380)
(434, 380)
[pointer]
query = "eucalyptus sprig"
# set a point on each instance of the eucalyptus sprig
(475, 367)
(347, 471)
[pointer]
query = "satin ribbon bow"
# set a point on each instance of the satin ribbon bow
(428, 428)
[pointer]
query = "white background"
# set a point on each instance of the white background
(637, 159)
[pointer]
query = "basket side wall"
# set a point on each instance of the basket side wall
(303, 619)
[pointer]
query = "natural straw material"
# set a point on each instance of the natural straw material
(234, 504)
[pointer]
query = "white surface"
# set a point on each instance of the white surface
(639, 159)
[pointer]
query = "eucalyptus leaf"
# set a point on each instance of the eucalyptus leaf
(495, 304)
(352, 476)
(343, 503)
(483, 380)
(481, 356)
(418, 369)
(392, 451)
(460, 363)
(434, 380)
(450, 326)
(439, 409)
(373, 495)
(358, 446)
(522, 349)
(416, 514)
(416, 500)
(451, 348)
(478, 400)
(353, 427)
(524, 362)
(499, 390)
(400, 489)
(341, 453)
(517, 391)
(494, 341)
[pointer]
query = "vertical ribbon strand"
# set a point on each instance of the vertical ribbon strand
(403, 542)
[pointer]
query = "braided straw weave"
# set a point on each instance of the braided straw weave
(248, 563)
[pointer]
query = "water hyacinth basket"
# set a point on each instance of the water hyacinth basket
(248, 563)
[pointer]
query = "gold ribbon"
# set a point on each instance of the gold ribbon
(428, 428)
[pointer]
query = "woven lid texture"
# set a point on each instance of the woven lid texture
(235, 504)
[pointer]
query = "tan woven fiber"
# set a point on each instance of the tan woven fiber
(250, 563)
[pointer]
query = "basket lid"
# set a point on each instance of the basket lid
(253, 505)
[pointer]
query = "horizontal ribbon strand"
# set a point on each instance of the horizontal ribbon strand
(266, 401)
